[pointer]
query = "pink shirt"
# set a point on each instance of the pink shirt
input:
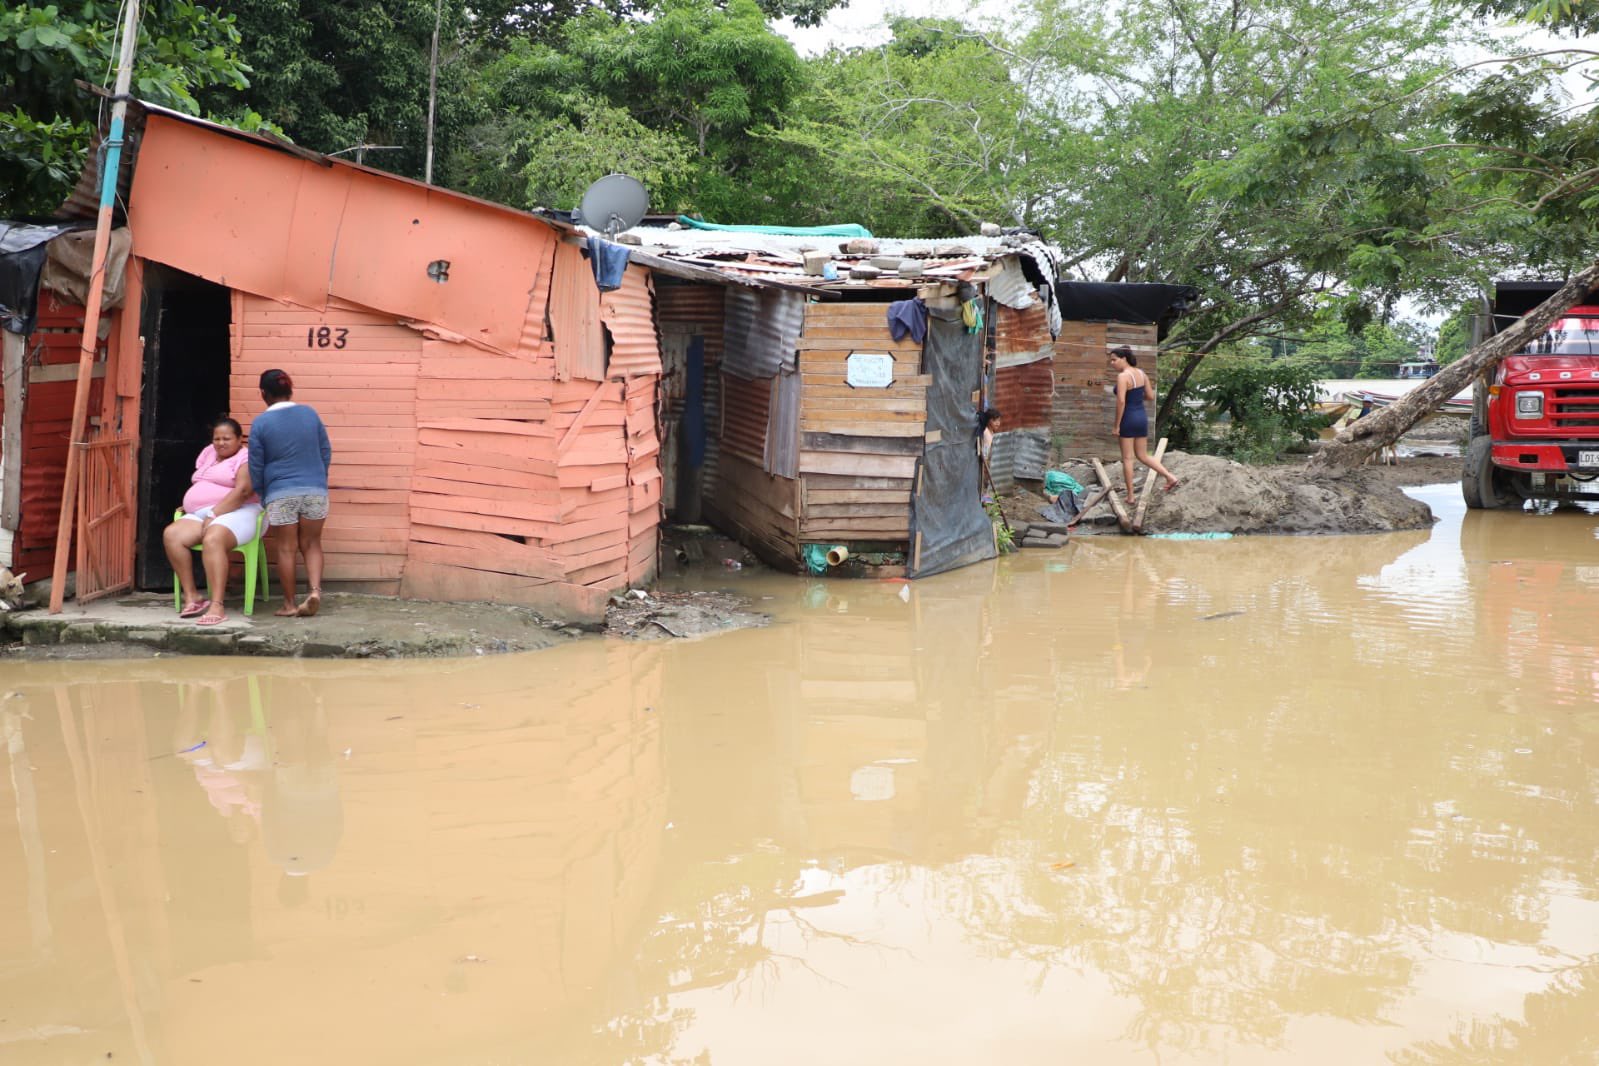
(214, 478)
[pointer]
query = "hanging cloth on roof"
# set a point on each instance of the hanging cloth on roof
(609, 262)
(23, 249)
(908, 316)
(972, 314)
(846, 229)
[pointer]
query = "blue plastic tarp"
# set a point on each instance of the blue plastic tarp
(848, 229)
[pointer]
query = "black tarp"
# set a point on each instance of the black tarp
(22, 255)
(1137, 303)
(949, 527)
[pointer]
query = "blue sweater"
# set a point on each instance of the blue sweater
(289, 453)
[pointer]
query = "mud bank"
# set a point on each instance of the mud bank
(1221, 496)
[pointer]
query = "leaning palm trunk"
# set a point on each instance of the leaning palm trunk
(1365, 436)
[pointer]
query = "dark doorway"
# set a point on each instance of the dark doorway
(186, 364)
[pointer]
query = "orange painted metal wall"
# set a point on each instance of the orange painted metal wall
(463, 468)
(359, 370)
(266, 222)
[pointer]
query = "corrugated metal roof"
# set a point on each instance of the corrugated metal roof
(1008, 284)
(629, 313)
(761, 331)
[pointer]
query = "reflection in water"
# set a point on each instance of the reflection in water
(1308, 800)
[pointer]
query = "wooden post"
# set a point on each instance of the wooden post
(1122, 518)
(109, 168)
(1148, 489)
(13, 351)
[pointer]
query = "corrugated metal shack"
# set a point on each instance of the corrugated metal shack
(492, 412)
(795, 419)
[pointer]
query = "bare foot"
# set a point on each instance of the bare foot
(1172, 483)
(288, 610)
(312, 604)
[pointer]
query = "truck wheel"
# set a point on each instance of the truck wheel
(1477, 476)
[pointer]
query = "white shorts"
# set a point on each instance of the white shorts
(241, 521)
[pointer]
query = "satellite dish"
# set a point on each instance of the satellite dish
(614, 203)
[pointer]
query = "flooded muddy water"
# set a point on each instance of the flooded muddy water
(1314, 800)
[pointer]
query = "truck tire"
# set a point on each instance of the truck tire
(1477, 476)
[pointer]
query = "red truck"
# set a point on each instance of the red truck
(1535, 417)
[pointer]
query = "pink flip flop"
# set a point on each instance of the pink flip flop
(198, 607)
(211, 620)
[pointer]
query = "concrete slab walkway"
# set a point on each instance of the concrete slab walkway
(349, 626)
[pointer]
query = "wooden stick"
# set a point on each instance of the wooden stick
(1093, 501)
(1148, 490)
(992, 491)
(1115, 501)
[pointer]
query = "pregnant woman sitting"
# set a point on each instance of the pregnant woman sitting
(219, 514)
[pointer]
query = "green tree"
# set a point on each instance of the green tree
(682, 99)
(184, 49)
(336, 75)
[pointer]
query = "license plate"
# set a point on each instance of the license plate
(1588, 459)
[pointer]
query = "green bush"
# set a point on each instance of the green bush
(1251, 409)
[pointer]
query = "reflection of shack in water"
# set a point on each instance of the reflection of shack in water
(503, 851)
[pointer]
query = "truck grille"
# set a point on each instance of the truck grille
(1572, 407)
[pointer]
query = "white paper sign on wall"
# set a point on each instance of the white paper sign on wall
(869, 370)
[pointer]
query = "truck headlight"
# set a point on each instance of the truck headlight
(1529, 405)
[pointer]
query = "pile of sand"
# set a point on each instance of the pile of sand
(1221, 496)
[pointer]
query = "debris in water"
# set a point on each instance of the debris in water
(1061, 865)
(473, 958)
(197, 747)
(1221, 614)
(905, 593)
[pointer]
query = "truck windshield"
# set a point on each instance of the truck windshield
(1570, 336)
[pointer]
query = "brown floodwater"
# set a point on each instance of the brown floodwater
(1318, 800)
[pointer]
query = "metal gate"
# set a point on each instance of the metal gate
(105, 519)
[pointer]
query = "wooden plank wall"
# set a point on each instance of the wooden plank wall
(359, 369)
(1085, 398)
(858, 447)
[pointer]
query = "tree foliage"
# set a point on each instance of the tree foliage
(184, 49)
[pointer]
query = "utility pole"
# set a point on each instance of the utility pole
(433, 88)
(109, 167)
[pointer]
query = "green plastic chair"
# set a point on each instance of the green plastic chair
(254, 560)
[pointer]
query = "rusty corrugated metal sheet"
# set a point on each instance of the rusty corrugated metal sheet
(1022, 336)
(762, 331)
(629, 313)
(746, 403)
(1024, 394)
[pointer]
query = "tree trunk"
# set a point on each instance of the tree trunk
(1378, 430)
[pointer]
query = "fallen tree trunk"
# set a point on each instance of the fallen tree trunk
(1366, 435)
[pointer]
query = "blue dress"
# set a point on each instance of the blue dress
(1135, 419)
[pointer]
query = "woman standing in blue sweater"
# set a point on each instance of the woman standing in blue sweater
(289, 459)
